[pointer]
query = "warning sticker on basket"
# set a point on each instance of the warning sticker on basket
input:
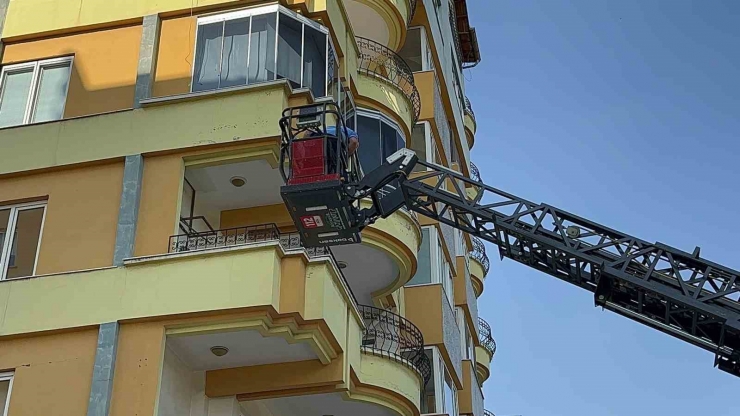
(312, 221)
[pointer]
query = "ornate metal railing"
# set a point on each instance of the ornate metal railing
(474, 172)
(469, 108)
(488, 413)
(479, 253)
(486, 339)
(395, 337)
(229, 237)
(378, 61)
(412, 12)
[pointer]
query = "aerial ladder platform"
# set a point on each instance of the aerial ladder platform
(676, 292)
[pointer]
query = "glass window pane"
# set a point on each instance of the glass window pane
(389, 139)
(423, 270)
(450, 406)
(16, 88)
(52, 93)
(4, 219)
(25, 243)
(262, 48)
(208, 57)
(411, 51)
(314, 61)
(289, 50)
(429, 397)
(234, 57)
(368, 129)
(419, 144)
(4, 390)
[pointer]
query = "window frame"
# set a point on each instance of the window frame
(32, 100)
(7, 376)
(426, 52)
(250, 12)
(7, 245)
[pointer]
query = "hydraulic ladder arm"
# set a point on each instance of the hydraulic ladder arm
(676, 292)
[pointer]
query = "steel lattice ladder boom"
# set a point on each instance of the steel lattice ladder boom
(673, 291)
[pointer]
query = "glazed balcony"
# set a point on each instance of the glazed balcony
(394, 337)
(383, 21)
(479, 265)
(387, 81)
(470, 123)
(485, 352)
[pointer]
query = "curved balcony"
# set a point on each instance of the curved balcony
(384, 21)
(488, 413)
(474, 172)
(470, 123)
(485, 352)
(383, 68)
(479, 265)
(394, 337)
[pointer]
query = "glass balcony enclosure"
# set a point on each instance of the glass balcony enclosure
(263, 44)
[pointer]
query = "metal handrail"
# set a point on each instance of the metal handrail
(488, 413)
(474, 172)
(392, 336)
(479, 253)
(378, 61)
(469, 108)
(486, 339)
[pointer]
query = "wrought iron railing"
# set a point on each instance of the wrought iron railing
(474, 172)
(395, 337)
(488, 413)
(378, 61)
(486, 339)
(469, 108)
(412, 12)
(479, 253)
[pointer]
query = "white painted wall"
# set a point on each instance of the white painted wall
(181, 391)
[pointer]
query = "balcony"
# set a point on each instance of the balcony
(384, 21)
(393, 337)
(387, 81)
(479, 265)
(470, 123)
(485, 352)
(488, 413)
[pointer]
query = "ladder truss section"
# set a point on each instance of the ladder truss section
(673, 291)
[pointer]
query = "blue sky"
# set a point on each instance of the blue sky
(626, 112)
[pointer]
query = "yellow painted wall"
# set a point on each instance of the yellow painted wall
(206, 281)
(424, 309)
(385, 374)
(103, 76)
(465, 396)
(482, 363)
(277, 214)
(159, 205)
(386, 97)
(82, 212)
(218, 119)
(175, 57)
(53, 373)
(425, 84)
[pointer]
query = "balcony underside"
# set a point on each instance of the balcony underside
(383, 21)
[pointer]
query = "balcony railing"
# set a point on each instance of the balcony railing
(395, 337)
(479, 253)
(237, 236)
(486, 339)
(474, 172)
(469, 108)
(378, 61)
(488, 413)
(412, 12)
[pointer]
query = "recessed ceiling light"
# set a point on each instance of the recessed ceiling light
(342, 264)
(219, 351)
(238, 181)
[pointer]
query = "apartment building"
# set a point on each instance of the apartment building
(147, 263)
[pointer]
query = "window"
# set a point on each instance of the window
(440, 394)
(263, 44)
(432, 263)
(415, 50)
(424, 144)
(34, 92)
(20, 236)
(466, 337)
(380, 137)
(6, 384)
